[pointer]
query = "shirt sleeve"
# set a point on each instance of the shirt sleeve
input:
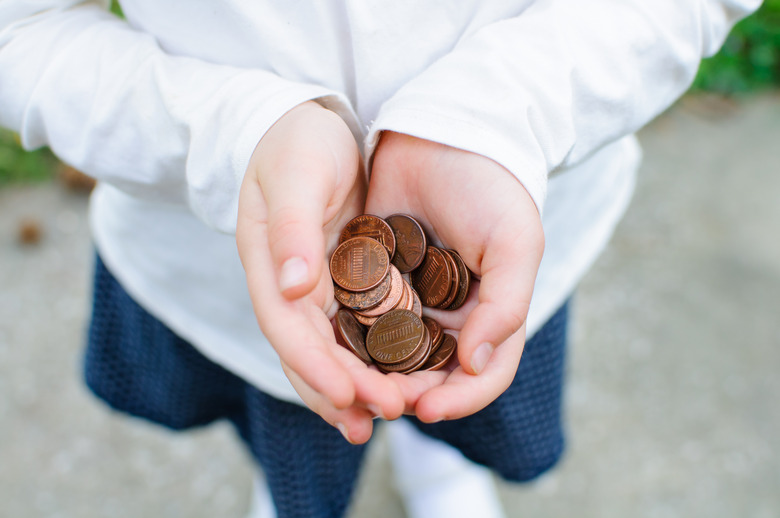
(109, 101)
(548, 88)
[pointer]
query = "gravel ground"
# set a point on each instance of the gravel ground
(672, 396)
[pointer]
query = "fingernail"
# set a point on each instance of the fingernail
(343, 429)
(481, 356)
(293, 273)
(376, 411)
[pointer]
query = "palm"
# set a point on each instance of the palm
(472, 204)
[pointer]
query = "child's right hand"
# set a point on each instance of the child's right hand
(303, 184)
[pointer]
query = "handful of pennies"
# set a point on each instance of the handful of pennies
(384, 271)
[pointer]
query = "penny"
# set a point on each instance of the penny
(433, 278)
(362, 300)
(464, 282)
(354, 335)
(410, 242)
(370, 226)
(443, 355)
(395, 336)
(437, 332)
(366, 321)
(417, 358)
(416, 303)
(392, 300)
(409, 301)
(359, 264)
(454, 281)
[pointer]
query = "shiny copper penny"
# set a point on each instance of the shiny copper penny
(433, 278)
(442, 356)
(464, 282)
(409, 299)
(454, 280)
(354, 335)
(363, 300)
(374, 227)
(366, 321)
(359, 264)
(410, 242)
(392, 300)
(436, 331)
(414, 361)
(395, 336)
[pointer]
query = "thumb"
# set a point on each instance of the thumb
(296, 196)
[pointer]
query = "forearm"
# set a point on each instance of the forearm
(546, 89)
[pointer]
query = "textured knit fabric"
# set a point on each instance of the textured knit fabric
(139, 366)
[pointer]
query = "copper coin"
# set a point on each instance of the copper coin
(410, 242)
(437, 332)
(409, 301)
(455, 279)
(433, 278)
(354, 335)
(395, 336)
(416, 303)
(391, 301)
(464, 282)
(424, 357)
(362, 300)
(366, 321)
(374, 227)
(359, 264)
(414, 361)
(440, 358)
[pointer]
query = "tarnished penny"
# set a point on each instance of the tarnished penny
(433, 278)
(359, 264)
(392, 299)
(436, 331)
(439, 359)
(374, 227)
(354, 335)
(454, 280)
(395, 336)
(362, 300)
(464, 282)
(418, 357)
(410, 242)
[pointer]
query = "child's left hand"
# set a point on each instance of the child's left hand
(471, 204)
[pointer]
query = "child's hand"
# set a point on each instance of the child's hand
(472, 204)
(303, 184)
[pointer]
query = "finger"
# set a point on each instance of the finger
(463, 394)
(354, 422)
(296, 329)
(374, 390)
(508, 271)
(297, 191)
(306, 165)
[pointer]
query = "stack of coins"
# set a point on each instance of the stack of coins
(384, 271)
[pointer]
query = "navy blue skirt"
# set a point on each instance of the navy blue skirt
(139, 366)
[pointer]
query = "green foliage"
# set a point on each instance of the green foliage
(750, 57)
(116, 9)
(18, 165)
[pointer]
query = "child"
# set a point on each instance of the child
(204, 119)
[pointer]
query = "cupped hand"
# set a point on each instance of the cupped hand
(303, 184)
(472, 204)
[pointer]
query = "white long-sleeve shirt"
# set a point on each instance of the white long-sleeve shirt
(166, 108)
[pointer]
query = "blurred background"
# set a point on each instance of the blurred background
(673, 395)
